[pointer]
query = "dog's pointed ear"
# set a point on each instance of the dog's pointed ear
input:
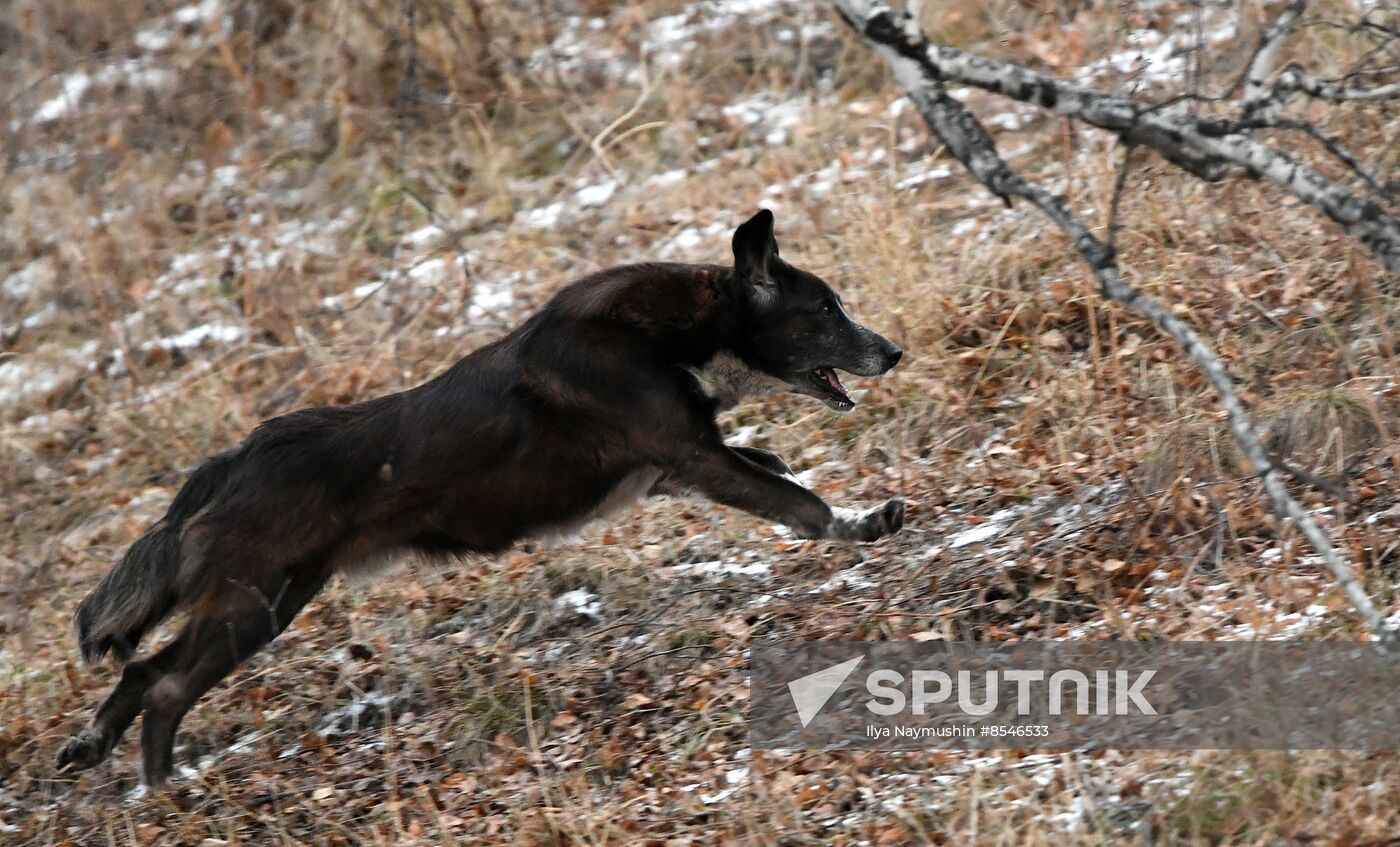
(755, 250)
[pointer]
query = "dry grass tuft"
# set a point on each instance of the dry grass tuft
(1322, 430)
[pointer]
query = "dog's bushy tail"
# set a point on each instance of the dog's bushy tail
(141, 590)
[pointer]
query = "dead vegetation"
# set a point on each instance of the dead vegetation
(215, 212)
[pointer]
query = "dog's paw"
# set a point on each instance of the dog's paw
(80, 753)
(870, 525)
(889, 518)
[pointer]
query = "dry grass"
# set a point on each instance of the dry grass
(277, 184)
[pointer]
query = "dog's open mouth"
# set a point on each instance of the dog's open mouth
(830, 390)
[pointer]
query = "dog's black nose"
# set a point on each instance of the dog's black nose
(892, 357)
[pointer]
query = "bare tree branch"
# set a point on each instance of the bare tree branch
(1212, 145)
(1259, 99)
(1335, 148)
(920, 69)
(1294, 78)
(1119, 184)
(1263, 100)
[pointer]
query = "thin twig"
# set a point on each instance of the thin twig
(596, 144)
(1118, 185)
(405, 96)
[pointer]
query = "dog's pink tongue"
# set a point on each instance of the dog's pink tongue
(833, 380)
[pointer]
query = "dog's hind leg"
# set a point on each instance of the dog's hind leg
(117, 712)
(234, 622)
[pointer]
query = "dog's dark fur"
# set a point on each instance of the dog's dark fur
(607, 394)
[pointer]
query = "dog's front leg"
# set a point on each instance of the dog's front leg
(728, 477)
(765, 459)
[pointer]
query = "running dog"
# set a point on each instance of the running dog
(606, 395)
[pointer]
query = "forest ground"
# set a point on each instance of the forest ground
(216, 212)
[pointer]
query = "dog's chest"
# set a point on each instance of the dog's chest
(727, 380)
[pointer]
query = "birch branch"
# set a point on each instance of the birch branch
(1179, 137)
(1335, 149)
(1262, 101)
(1294, 78)
(903, 46)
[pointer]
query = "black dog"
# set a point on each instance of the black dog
(607, 394)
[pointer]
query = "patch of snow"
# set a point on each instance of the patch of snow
(224, 177)
(1013, 119)
(692, 237)
(666, 178)
(348, 717)
(139, 74)
(368, 288)
(735, 780)
(189, 272)
(852, 577)
(669, 38)
(718, 568)
(596, 195)
(572, 50)
(542, 217)
(922, 177)
(1155, 57)
(72, 87)
(217, 333)
(1074, 818)
(40, 318)
(39, 273)
(161, 34)
(1151, 57)
(1288, 626)
(430, 270)
(994, 526)
(764, 111)
(23, 377)
(424, 237)
(244, 743)
(494, 297)
(581, 603)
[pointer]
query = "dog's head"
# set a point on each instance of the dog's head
(798, 331)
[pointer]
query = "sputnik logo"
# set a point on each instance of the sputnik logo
(810, 692)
